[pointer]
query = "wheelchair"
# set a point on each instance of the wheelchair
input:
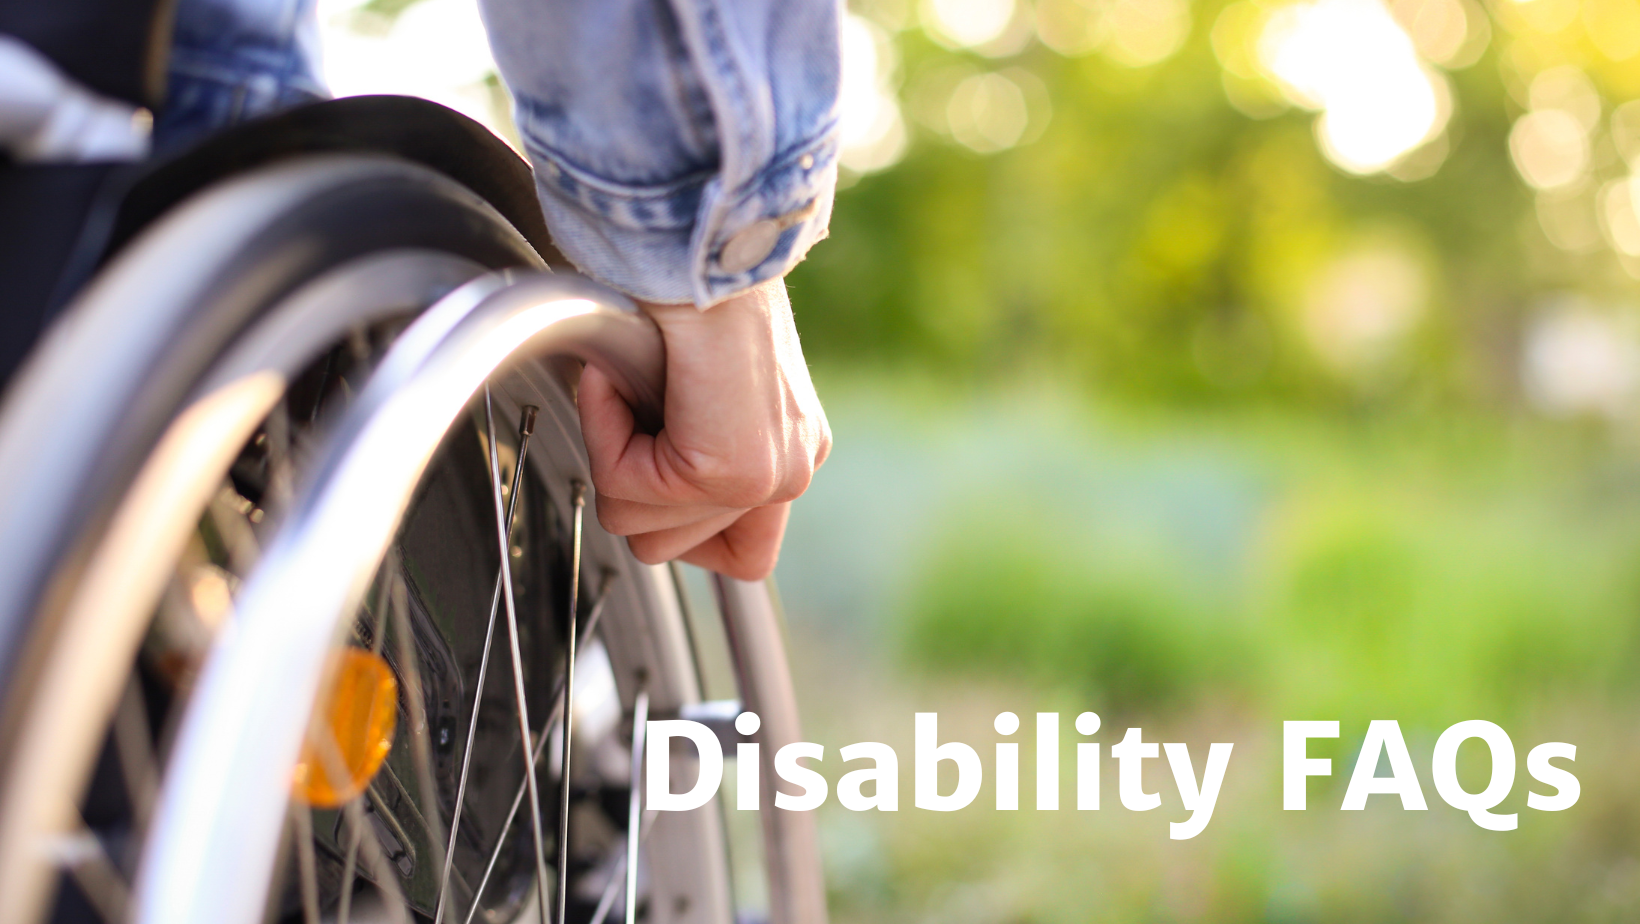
(303, 613)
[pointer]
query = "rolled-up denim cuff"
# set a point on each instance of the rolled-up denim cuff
(766, 227)
(690, 241)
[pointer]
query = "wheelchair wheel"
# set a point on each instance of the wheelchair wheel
(272, 548)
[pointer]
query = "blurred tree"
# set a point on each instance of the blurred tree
(1157, 241)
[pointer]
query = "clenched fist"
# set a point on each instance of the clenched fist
(744, 432)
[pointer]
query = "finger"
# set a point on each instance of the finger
(667, 544)
(746, 550)
(630, 518)
(608, 427)
(628, 464)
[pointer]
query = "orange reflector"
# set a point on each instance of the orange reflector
(358, 713)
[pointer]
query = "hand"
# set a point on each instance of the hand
(743, 434)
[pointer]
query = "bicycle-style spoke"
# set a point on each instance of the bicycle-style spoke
(134, 746)
(370, 853)
(624, 877)
(526, 426)
(569, 701)
(626, 867)
(82, 854)
(358, 346)
(378, 629)
(540, 747)
(350, 862)
(324, 384)
(279, 447)
(227, 516)
(387, 783)
(421, 752)
(306, 862)
(612, 888)
(517, 658)
(634, 809)
(363, 834)
(382, 872)
(350, 869)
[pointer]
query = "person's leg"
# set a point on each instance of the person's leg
(236, 59)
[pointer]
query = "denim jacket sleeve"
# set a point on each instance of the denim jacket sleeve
(684, 150)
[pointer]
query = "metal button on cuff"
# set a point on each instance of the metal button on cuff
(750, 246)
(753, 243)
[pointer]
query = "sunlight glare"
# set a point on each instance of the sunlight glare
(872, 129)
(435, 49)
(967, 23)
(1353, 61)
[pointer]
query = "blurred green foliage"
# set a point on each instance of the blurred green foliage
(1423, 579)
(1287, 536)
(1154, 242)
(1002, 598)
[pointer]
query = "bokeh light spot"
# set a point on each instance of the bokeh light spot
(1619, 217)
(1579, 360)
(988, 113)
(1362, 305)
(872, 129)
(1354, 62)
(1145, 32)
(1071, 27)
(1235, 38)
(1438, 28)
(1569, 219)
(1550, 148)
(1625, 131)
(966, 23)
(1569, 89)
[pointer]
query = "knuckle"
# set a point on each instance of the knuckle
(793, 487)
(750, 488)
(742, 482)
